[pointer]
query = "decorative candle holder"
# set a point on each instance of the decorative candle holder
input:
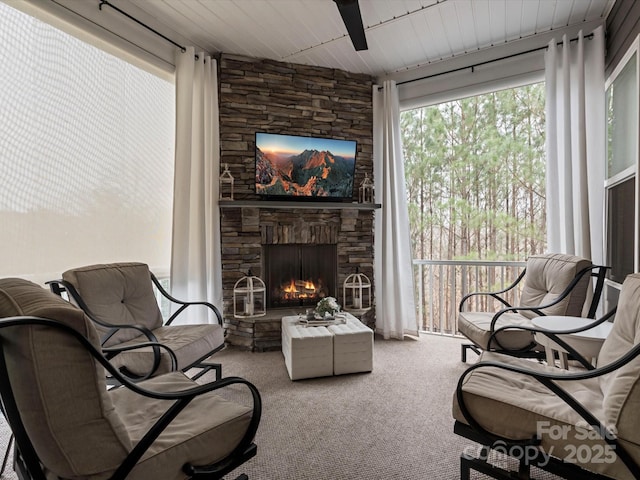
(226, 184)
(356, 293)
(366, 192)
(249, 297)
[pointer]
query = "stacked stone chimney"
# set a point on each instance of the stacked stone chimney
(259, 95)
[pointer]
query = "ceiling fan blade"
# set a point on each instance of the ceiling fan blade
(350, 12)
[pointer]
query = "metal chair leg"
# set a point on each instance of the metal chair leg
(465, 469)
(468, 346)
(6, 454)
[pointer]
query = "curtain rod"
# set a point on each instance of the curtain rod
(105, 2)
(472, 67)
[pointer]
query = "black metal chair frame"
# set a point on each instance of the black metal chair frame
(475, 432)
(528, 351)
(26, 458)
(60, 287)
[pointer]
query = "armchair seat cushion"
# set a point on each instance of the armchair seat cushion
(516, 406)
(192, 436)
(476, 326)
(495, 398)
(187, 342)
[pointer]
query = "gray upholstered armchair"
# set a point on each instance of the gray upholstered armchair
(120, 299)
(576, 424)
(67, 424)
(551, 284)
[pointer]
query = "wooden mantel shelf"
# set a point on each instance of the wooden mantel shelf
(275, 204)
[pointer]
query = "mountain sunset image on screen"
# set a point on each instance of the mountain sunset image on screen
(297, 166)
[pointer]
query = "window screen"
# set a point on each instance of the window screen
(622, 119)
(86, 154)
(620, 229)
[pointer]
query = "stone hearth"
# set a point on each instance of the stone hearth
(260, 334)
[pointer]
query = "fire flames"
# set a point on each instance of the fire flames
(298, 289)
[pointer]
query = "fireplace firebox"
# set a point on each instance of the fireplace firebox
(299, 275)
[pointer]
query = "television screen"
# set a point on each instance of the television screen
(304, 167)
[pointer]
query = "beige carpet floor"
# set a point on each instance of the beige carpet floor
(392, 423)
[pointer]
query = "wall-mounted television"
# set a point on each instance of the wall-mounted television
(312, 168)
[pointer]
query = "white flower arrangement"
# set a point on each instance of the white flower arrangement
(327, 306)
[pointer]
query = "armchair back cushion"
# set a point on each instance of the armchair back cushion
(621, 389)
(37, 359)
(547, 277)
(120, 294)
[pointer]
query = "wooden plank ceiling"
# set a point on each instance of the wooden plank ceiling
(401, 34)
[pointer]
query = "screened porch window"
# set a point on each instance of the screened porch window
(86, 154)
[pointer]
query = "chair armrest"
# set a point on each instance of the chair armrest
(553, 335)
(600, 272)
(152, 341)
(517, 309)
(183, 304)
(111, 352)
(115, 328)
(548, 380)
(493, 294)
(496, 317)
(58, 287)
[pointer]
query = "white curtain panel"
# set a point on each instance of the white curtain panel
(196, 266)
(575, 114)
(393, 267)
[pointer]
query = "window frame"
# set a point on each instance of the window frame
(612, 287)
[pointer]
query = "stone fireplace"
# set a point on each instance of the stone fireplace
(259, 95)
(323, 246)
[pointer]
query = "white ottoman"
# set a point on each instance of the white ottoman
(352, 347)
(308, 351)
